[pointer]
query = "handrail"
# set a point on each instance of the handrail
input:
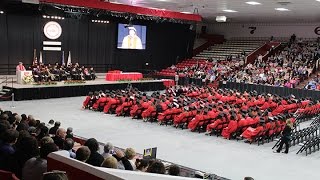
(5, 81)
(256, 50)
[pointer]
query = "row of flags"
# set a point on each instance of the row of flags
(35, 59)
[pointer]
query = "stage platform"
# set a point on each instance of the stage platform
(29, 92)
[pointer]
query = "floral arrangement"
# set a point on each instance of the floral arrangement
(74, 82)
(27, 79)
(46, 83)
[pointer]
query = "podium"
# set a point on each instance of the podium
(21, 74)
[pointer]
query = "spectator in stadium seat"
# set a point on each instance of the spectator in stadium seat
(23, 125)
(42, 131)
(69, 133)
(50, 124)
(45, 140)
(55, 175)
(8, 140)
(54, 129)
(67, 149)
(26, 148)
(174, 170)
(95, 158)
(248, 178)
(142, 165)
(157, 167)
(35, 167)
(108, 150)
(123, 162)
(60, 137)
(110, 162)
(130, 154)
(83, 154)
(10, 137)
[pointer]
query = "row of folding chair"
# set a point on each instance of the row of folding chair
(310, 146)
(300, 136)
(303, 135)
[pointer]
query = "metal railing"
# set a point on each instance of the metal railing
(7, 81)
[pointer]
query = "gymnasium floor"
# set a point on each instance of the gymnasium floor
(230, 159)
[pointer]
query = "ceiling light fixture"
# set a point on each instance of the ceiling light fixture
(282, 9)
(253, 3)
(1, 12)
(229, 10)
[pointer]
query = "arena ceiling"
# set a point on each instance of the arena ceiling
(299, 11)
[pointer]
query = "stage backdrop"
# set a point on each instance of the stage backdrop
(91, 44)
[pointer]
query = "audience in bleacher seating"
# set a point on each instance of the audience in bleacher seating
(55, 175)
(314, 84)
(110, 162)
(203, 70)
(60, 137)
(69, 133)
(156, 167)
(25, 144)
(57, 72)
(83, 153)
(108, 150)
(287, 68)
(174, 170)
(142, 165)
(68, 146)
(95, 158)
(248, 178)
(55, 128)
(36, 166)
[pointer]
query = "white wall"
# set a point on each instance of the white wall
(305, 30)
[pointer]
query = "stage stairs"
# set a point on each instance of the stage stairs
(5, 92)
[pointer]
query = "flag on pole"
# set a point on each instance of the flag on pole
(62, 59)
(40, 58)
(34, 61)
(69, 58)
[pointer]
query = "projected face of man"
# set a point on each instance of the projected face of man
(132, 32)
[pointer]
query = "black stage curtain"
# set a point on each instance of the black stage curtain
(281, 91)
(3, 45)
(91, 44)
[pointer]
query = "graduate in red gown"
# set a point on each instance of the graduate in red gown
(124, 107)
(148, 112)
(232, 127)
(182, 116)
(194, 122)
(87, 100)
(251, 133)
(101, 100)
(135, 109)
(113, 101)
(221, 118)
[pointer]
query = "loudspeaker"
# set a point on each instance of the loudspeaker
(204, 30)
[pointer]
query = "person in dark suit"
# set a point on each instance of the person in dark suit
(54, 129)
(286, 135)
(95, 158)
(60, 137)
